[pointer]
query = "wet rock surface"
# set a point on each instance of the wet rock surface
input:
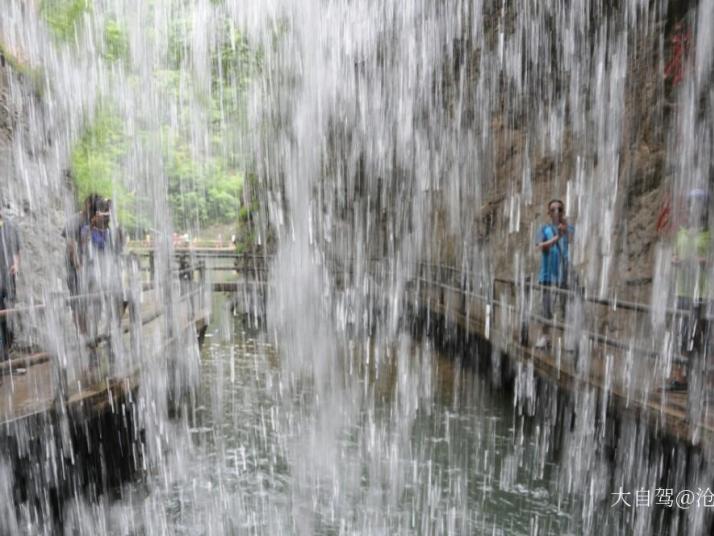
(26, 159)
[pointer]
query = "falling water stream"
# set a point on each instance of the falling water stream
(436, 449)
(384, 143)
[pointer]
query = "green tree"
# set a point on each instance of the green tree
(203, 189)
(63, 16)
(116, 42)
(96, 163)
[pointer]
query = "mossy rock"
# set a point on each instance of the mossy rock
(33, 76)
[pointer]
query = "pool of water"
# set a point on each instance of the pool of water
(411, 442)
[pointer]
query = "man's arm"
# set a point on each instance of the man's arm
(73, 253)
(545, 244)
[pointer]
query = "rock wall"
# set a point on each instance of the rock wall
(32, 191)
(504, 221)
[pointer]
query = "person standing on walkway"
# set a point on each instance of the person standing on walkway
(100, 277)
(9, 268)
(72, 233)
(553, 241)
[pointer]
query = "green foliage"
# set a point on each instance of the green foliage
(116, 42)
(63, 16)
(223, 196)
(203, 190)
(189, 209)
(247, 224)
(201, 193)
(34, 75)
(233, 65)
(206, 191)
(179, 30)
(96, 163)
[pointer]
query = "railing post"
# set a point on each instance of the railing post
(202, 271)
(202, 283)
(59, 360)
(4, 348)
(525, 310)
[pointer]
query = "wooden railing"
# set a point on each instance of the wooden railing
(456, 279)
(193, 293)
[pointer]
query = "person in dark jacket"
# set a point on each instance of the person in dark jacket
(100, 278)
(73, 257)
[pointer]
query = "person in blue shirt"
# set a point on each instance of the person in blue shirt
(553, 241)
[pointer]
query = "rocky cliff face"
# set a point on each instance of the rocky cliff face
(32, 191)
(599, 131)
(450, 140)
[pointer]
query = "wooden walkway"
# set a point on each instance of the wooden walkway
(92, 381)
(604, 371)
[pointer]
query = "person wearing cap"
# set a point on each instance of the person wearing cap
(694, 293)
(9, 268)
(553, 241)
